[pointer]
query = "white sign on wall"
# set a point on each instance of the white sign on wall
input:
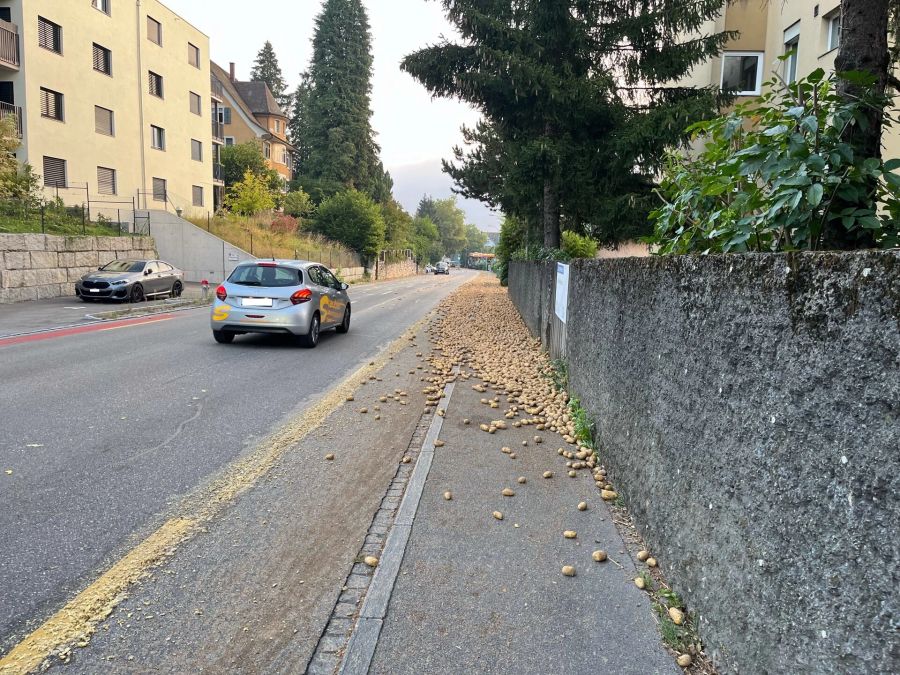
(562, 291)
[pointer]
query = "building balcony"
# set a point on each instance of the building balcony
(218, 132)
(9, 110)
(219, 174)
(9, 45)
(216, 89)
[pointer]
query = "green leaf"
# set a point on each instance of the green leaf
(892, 164)
(814, 194)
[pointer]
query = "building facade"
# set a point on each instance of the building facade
(251, 113)
(806, 32)
(114, 99)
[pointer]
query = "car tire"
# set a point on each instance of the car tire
(177, 289)
(311, 339)
(344, 326)
(222, 337)
(137, 293)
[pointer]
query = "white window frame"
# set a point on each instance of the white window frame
(833, 21)
(229, 141)
(102, 6)
(760, 58)
(791, 42)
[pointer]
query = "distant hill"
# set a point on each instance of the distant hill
(412, 181)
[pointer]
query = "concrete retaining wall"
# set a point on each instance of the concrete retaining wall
(37, 266)
(748, 409)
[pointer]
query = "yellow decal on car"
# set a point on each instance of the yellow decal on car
(329, 309)
(221, 312)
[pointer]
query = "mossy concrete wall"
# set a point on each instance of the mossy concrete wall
(748, 410)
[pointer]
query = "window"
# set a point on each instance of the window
(156, 84)
(104, 121)
(106, 181)
(54, 172)
(197, 193)
(834, 30)
(157, 138)
(267, 150)
(225, 115)
(194, 55)
(229, 141)
(49, 35)
(165, 267)
(742, 72)
(196, 150)
(270, 277)
(277, 126)
(159, 190)
(196, 104)
(154, 31)
(102, 60)
(791, 50)
(51, 104)
(102, 5)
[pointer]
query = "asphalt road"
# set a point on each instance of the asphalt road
(104, 431)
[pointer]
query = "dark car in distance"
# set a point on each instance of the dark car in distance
(131, 280)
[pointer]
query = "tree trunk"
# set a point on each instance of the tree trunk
(551, 213)
(864, 47)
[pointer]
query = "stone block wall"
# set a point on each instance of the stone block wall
(748, 410)
(39, 266)
(397, 270)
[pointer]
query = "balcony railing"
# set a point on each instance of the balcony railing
(9, 110)
(216, 88)
(218, 131)
(218, 172)
(9, 45)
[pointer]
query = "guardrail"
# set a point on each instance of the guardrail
(9, 110)
(9, 44)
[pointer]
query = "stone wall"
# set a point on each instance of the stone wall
(396, 270)
(37, 266)
(748, 410)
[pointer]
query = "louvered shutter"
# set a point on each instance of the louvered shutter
(102, 59)
(49, 35)
(54, 172)
(197, 195)
(106, 180)
(103, 120)
(159, 189)
(156, 84)
(51, 104)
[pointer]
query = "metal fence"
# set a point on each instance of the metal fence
(53, 217)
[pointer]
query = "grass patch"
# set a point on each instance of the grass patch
(15, 218)
(256, 236)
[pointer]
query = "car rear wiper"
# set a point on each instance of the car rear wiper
(247, 283)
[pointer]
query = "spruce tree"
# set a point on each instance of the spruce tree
(341, 141)
(266, 69)
(299, 123)
(576, 101)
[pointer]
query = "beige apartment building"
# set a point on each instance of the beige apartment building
(809, 31)
(115, 103)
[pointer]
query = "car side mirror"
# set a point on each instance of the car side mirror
(344, 286)
(146, 272)
(100, 268)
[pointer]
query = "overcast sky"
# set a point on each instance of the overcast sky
(414, 132)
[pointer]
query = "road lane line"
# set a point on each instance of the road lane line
(77, 330)
(138, 323)
(78, 619)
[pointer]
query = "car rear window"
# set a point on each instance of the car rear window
(266, 275)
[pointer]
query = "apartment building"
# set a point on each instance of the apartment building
(808, 32)
(251, 113)
(114, 100)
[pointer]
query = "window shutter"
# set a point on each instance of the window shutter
(51, 104)
(102, 59)
(154, 30)
(159, 189)
(106, 180)
(156, 84)
(196, 150)
(198, 195)
(54, 172)
(49, 35)
(196, 103)
(103, 120)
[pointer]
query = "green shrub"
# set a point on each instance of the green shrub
(777, 174)
(575, 245)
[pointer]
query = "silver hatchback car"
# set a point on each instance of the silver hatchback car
(280, 297)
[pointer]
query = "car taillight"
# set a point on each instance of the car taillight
(221, 294)
(301, 296)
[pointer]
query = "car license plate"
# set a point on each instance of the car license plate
(94, 290)
(257, 302)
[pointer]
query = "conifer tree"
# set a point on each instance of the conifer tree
(266, 69)
(299, 123)
(341, 141)
(576, 101)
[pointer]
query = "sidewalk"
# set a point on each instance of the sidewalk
(477, 594)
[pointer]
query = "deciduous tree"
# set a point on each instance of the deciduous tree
(353, 219)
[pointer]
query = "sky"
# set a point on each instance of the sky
(413, 130)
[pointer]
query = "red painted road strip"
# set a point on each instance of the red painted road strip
(106, 325)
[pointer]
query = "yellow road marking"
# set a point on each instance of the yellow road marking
(78, 620)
